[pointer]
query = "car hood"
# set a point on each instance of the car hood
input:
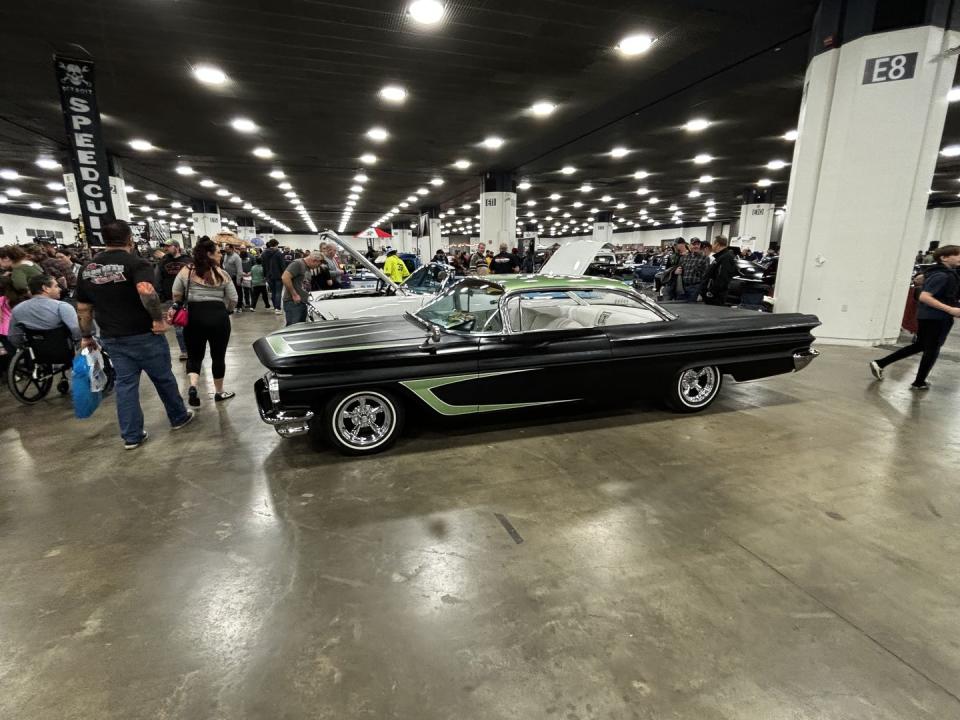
(357, 257)
(365, 306)
(573, 258)
(307, 342)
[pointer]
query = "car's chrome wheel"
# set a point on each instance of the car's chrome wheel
(363, 422)
(695, 388)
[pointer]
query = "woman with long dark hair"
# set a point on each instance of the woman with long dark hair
(210, 295)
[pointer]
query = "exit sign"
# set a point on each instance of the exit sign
(890, 68)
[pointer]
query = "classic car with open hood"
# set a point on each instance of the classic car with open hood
(509, 342)
(385, 297)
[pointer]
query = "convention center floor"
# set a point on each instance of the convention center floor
(791, 553)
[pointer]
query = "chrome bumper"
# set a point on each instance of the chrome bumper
(803, 358)
(287, 423)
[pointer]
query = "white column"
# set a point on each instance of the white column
(603, 226)
(756, 225)
(498, 219)
(206, 218)
(403, 239)
(869, 133)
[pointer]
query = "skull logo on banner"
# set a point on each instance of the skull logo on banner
(74, 74)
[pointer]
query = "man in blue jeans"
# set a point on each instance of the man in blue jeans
(117, 288)
(273, 267)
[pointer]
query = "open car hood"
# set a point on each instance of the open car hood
(573, 258)
(360, 259)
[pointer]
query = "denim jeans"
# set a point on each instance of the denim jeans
(276, 291)
(294, 312)
(690, 293)
(130, 356)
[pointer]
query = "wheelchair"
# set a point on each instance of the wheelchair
(46, 354)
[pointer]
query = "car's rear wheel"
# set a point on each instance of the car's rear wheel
(693, 389)
(363, 422)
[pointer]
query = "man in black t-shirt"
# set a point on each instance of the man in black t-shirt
(116, 288)
(504, 262)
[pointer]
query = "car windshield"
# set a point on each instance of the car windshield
(428, 280)
(470, 306)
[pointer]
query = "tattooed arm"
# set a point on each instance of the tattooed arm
(151, 303)
(85, 318)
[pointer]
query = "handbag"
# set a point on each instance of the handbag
(182, 316)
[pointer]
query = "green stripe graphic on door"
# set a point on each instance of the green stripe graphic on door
(424, 389)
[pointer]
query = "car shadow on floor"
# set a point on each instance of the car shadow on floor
(427, 433)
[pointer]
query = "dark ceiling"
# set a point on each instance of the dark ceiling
(308, 73)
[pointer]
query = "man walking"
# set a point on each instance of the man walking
(172, 262)
(478, 258)
(273, 268)
(117, 288)
(234, 267)
(935, 314)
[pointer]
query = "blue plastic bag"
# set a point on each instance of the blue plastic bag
(85, 400)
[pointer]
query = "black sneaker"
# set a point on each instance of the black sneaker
(190, 416)
(193, 397)
(138, 443)
(876, 370)
(920, 386)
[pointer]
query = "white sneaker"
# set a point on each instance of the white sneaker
(278, 312)
(876, 370)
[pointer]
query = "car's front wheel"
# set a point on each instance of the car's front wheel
(362, 422)
(693, 389)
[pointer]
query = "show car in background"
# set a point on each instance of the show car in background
(510, 342)
(389, 298)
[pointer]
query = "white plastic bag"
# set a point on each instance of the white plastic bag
(98, 376)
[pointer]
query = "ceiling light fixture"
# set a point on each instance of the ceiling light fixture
(776, 165)
(493, 142)
(522, 185)
(141, 145)
(35, 206)
(9, 174)
(543, 108)
(643, 191)
(47, 163)
(653, 200)
(693, 194)
(619, 152)
(641, 175)
(635, 44)
(703, 159)
(393, 94)
(696, 125)
(554, 196)
(209, 75)
(377, 134)
(462, 164)
(208, 183)
(764, 182)
(704, 179)
(426, 12)
(244, 125)
(360, 178)
(276, 174)
(368, 158)
(263, 152)
(586, 187)
(185, 170)
(57, 187)
(223, 192)
(436, 182)
(152, 197)
(790, 135)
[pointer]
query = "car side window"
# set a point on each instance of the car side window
(538, 311)
(613, 308)
(470, 307)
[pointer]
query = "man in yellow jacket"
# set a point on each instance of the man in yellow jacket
(394, 268)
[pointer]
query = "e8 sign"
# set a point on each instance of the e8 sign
(890, 68)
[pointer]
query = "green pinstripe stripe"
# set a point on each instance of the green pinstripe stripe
(424, 389)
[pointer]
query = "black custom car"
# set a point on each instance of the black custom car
(511, 342)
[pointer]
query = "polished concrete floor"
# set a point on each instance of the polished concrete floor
(790, 554)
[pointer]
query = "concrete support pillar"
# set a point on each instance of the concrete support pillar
(870, 126)
(118, 191)
(498, 210)
(756, 220)
(403, 236)
(603, 226)
(431, 232)
(246, 228)
(205, 217)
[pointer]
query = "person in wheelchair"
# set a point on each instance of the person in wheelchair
(42, 311)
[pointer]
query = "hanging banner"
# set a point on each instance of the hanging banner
(87, 152)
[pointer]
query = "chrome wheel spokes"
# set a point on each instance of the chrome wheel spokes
(697, 385)
(364, 419)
